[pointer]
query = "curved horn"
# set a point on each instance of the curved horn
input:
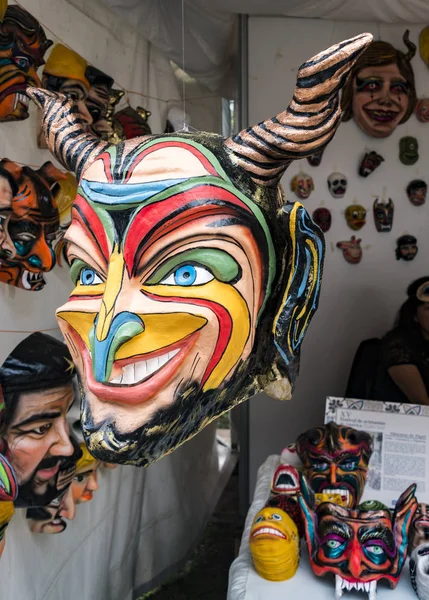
(62, 126)
(412, 48)
(308, 124)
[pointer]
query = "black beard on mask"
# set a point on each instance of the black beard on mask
(167, 429)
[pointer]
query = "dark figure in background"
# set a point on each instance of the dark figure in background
(405, 350)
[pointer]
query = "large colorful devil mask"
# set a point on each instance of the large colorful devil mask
(335, 460)
(381, 93)
(32, 226)
(22, 46)
(195, 280)
(360, 547)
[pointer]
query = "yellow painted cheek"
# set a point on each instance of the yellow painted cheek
(228, 296)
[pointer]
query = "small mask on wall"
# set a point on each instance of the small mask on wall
(85, 481)
(337, 185)
(274, 544)
(381, 94)
(323, 218)
(98, 100)
(422, 110)
(23, 44)
(31, 226)
(419, 531)
(419, 571)
(51, 518)
(369, 163)
(408, 150)
(335, 460)
(416, 192)
(383, 214)
(315, 159)
(302, 184)
(406, 248)
(359, 547)
(352, 250)
(355, 216)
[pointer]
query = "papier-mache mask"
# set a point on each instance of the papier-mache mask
(23, 44)
(37, 386)
(422, 110)
(419, 571)
(195, 280)
(383, 214)
(419, 531)
(323, 218)
(30, 229)
(355, 216)
(416, 192)
(352, 250)
(335, 460)
(302, 184)
(369, 163)
(285, 488)
(408, 150)
(274, 544)
(337, 184)
(360, 547)
(98, 100)
(381, 93)
(406, 247)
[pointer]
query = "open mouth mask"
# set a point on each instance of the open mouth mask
(381, 94)
(23, 44)
(416, 192)
(195, 280)
(274, 544)
(285, 488)
(361, 547)
(337, 184)
(369, 163)
(419, 531)
(335, 460)
(26, 252)
(383, 215)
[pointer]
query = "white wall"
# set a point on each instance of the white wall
(357, 301)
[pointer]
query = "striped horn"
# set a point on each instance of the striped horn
(308, 124)
(65, 134)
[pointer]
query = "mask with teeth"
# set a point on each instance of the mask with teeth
(383, 215)
(274, 544)
(335, 460)
(419, 532)
(419, 571)
(284, 491)
(360, 547)
(381, 94)
(302, 185)
(337, 184)
(26, 252)
(22, 46)
(194, 279)
(370, 162)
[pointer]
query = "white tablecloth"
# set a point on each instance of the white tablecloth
(246, 584)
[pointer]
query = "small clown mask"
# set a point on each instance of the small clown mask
(22, 46)
(302, 184)
(419, 571)
(337, 184)
(190, 269)
(360, 547)
(419, 531)
(383, 215)
(323, 218)
(355, 216)
(274, 544)
(406, 248)
(422, 110)
(416, 192)
(370, 162)
(335, 460)
(6, 513)
(315, 159)
(32, 227)
(352, 250)
(85, 481)
(408, 150)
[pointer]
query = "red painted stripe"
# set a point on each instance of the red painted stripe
(97, 229)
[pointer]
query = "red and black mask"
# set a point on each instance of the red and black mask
(383, 215)
(335, 460)
(369, 163)
(360, 547)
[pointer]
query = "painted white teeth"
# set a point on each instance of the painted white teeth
(268, 530)
(341, 584)
(138, 371)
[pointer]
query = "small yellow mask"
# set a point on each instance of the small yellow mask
(274, 544)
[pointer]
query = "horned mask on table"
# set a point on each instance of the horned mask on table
(195, 279)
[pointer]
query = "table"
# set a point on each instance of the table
(245, 584)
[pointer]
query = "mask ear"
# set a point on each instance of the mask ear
(302, 279)
(306, 504)
(405, 508)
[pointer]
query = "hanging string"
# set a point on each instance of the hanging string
(183, 65)
(28, 330)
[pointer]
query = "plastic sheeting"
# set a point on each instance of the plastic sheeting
(246, 584)
(138, 528)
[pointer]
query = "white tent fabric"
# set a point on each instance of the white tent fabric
(210, 27)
